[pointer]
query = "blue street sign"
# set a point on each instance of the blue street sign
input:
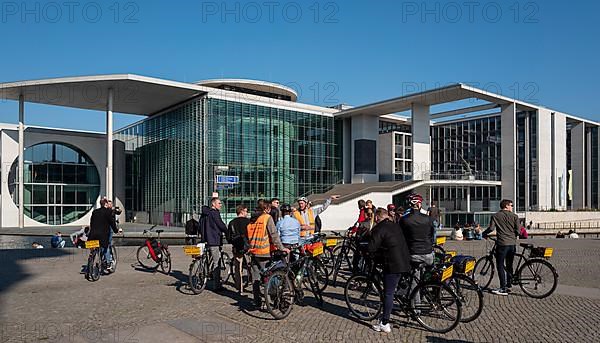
(228, 179)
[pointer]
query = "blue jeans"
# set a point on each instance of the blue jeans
(390, 282)
(505, 253)
(106, 251)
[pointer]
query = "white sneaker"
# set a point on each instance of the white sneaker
(387, 328)
(499, 291)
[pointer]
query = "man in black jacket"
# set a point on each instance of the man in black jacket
(418, 230)
(212, 231)
(192, 227)
(388, 239)
(101, 224)
(238, 236)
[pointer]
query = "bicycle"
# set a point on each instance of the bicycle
(432, 303)
(284, 282)
(246, 271)
(467, 290)
(533, 272)
(200, 268)
(96, 263)
(343, 255)
(153, 254)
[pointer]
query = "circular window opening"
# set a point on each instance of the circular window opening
(61, 183)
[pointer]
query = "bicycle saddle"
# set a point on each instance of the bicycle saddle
(526, 245)
(159, 231)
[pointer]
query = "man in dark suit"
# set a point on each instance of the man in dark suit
(101, 223)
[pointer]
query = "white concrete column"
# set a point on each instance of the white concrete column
(365, 132)
(421, 142)
(508, 133)
(545, 158)
(468, 199)
(109, 143)
(21, 164)
(578, 165)
(559, 161)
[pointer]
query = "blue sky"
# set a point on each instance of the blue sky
(356, 52)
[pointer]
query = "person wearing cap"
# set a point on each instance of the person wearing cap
(306, 216)
(391, 208)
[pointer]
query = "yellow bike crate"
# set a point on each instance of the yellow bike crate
(92, 244)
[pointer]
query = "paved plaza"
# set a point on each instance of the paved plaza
(43, 297)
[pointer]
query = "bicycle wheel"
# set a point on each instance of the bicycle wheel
(327, 256)
(347, 252)
(198, 275)
(435, 306)
(94, 265)
(279, 294)
(165, 262)
(342, 261)
(113, 252)
(144, 258)
(314, 284)
(321, 273)
(483, 273)
(225, 265)
(363, 297)
(470, 296)
(247, 268)
(537, 278)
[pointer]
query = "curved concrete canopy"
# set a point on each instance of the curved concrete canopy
(262, 86)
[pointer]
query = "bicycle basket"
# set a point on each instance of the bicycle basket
(442, 272)
(541, 252)
(315, 249)
(463, 264)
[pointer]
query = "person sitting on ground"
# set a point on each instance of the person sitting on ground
(560, 234)
(457, 234)
(78, 238)
(478, 231)
(57, 241)
(572, 234)
(37, 245)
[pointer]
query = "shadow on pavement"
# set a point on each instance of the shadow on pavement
(12, 272)
(432, 339)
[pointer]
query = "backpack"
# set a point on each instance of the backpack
(191, 227)
(203, 223)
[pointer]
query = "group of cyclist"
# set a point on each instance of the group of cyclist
(270, 227)
(397, 240)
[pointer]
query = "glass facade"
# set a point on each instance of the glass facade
(402, 156)
(594, 166)
(274, 152)
(475, 141)
(61, 183)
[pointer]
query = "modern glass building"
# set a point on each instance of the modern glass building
(174, 157)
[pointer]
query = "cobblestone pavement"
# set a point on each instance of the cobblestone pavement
(44, 298)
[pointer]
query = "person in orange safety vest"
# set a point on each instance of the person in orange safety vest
(306, 215)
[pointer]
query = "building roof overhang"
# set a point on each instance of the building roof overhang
(437, 96)
(133, 94)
